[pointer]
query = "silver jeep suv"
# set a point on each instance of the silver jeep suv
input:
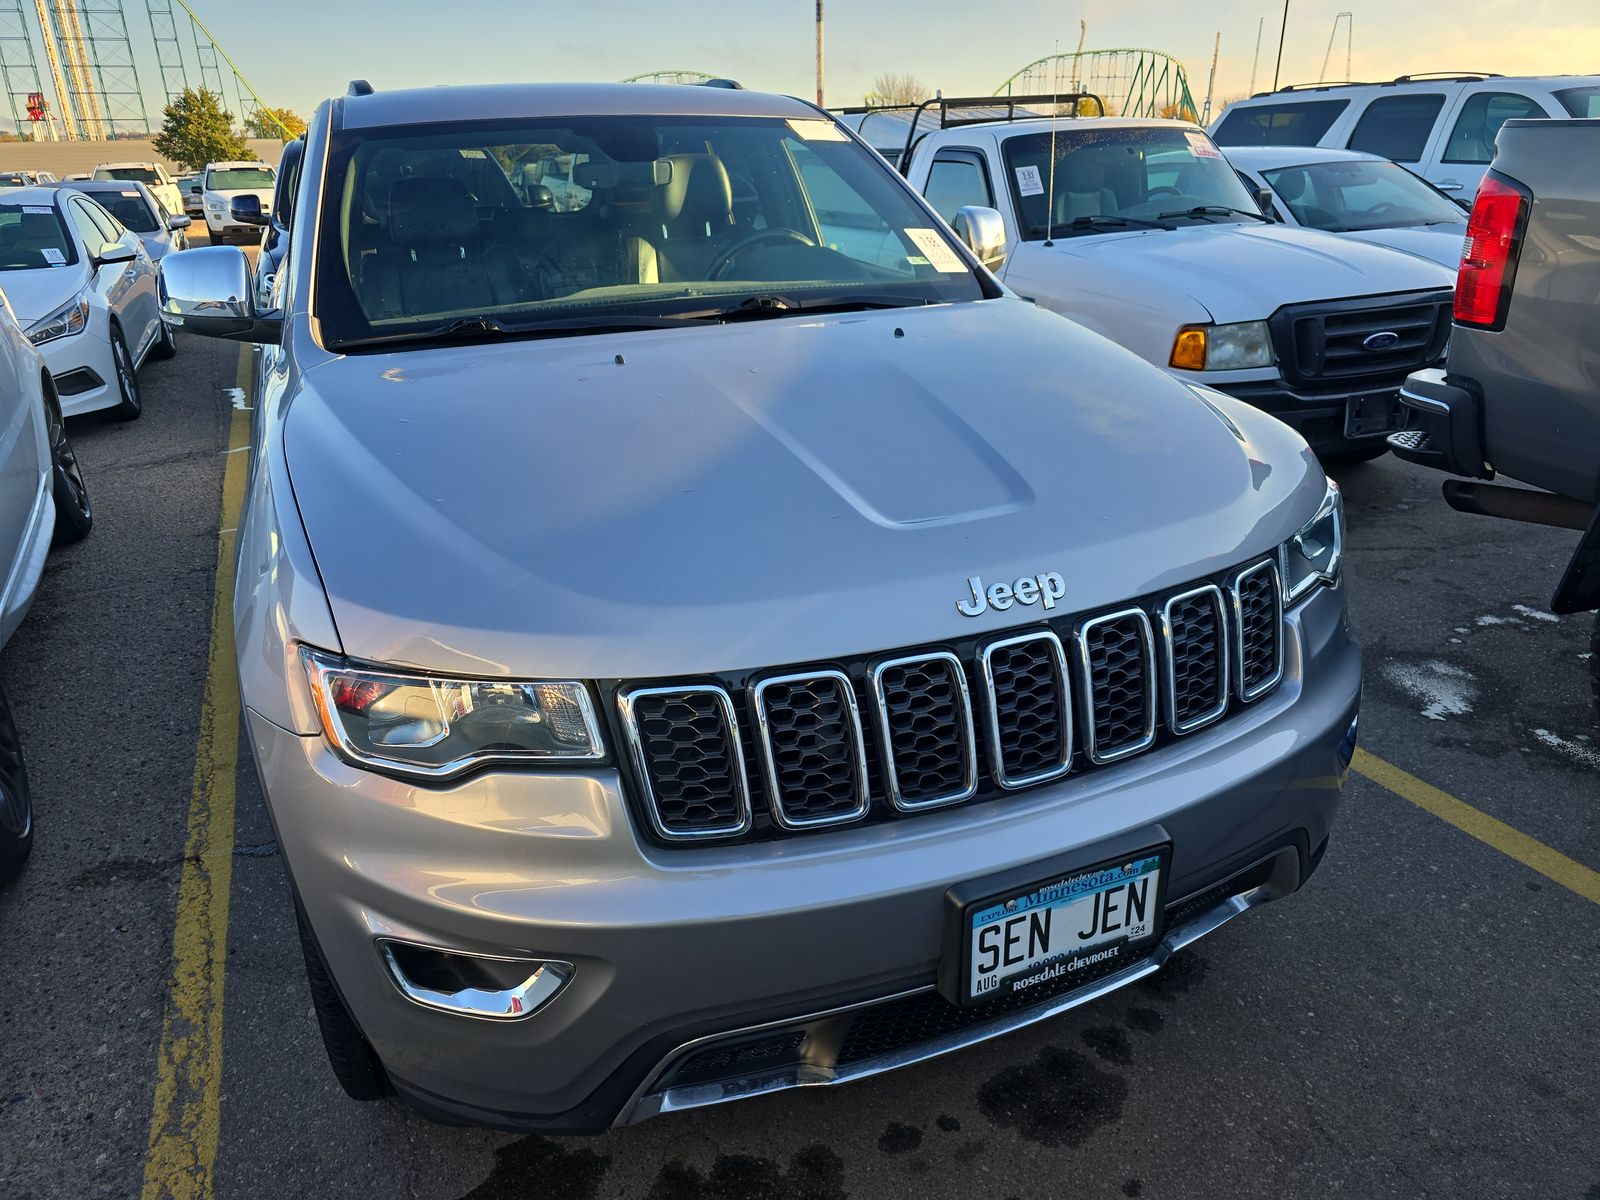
(706, 636)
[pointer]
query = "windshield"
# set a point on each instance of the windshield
(32, 237)
(239, 179)
(612, 218)
(1107, 179)
(14, 180)
(1581, 101)
(128, 207)
(129, 174)
(1360, 194)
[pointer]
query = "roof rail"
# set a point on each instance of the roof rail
(946, 103)
(723, 83)
(359, 87)
(1414, 77)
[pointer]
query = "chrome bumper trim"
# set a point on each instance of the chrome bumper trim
(647, 1103)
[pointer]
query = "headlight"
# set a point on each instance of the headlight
(436, 728)
(1312, 556)
(72, 317)
(1223, 347)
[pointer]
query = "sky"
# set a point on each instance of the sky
(296, 52)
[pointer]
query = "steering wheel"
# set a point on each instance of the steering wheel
(1163, 189)
(1382, 208)
(715, 270)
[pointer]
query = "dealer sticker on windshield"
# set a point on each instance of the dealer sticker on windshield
(1201, 145)
(1084, 923)
(53, 256)
(938, 251)
(1028, 181)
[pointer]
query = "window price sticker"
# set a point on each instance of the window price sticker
(53, 256)
(1028, 181)
(939, 254)
(1200, 145)
(38, 210)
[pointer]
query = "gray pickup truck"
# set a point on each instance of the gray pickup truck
(1519, 394)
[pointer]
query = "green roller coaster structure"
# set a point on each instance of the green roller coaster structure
(669, 77)
(1133, 82)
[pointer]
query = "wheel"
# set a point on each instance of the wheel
(1594, 659)
(16, 810)
(74, 513)
(350, 1055)
(166, 345)
(132, 403)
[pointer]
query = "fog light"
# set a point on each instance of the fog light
(473, 985)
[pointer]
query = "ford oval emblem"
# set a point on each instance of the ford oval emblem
(1379, 342)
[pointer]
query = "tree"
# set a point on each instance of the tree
(894, 88)
(272, 123)
(196, 130)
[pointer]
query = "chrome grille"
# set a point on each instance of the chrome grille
(812, 750)
(926, 721)
(785, 751)
(1258, 630)
(1194, 658)
(1030, 711)
(685, 744)
(1119, 682)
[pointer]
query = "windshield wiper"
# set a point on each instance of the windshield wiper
(484, 329)
(1093, 221)
(1216, 210)
(769, 304)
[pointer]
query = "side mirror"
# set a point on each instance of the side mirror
(1263, 199)
(207, 291)
(115, 252)
(177, 223)
(195, 189)
(247, 210)
(984, 232)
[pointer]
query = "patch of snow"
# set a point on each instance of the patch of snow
(1491, 619)
(1587, 755)
(1538, 614)
(1445, 690)
(236, 397)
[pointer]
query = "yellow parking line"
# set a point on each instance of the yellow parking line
(186, 1119)
(1513, 843)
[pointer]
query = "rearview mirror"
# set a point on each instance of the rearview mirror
(207, 291)
(1263, 199)
(177, 223)
(984, 232)
(246, 210)
(116, 252)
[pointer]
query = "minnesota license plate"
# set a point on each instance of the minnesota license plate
(1026, 938)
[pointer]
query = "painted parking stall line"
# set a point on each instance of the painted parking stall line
(185, 1122)
(1492, 832)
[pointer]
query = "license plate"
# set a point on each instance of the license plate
(1369, 416)
(1026, 938)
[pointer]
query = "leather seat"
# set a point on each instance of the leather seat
(433, 260)
(695, 213)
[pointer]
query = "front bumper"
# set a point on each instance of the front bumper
(1325, 419)
(675, 946)
(84, 372)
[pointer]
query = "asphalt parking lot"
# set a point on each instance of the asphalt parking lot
(1419, 1021)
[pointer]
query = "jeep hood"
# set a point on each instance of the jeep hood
(772, 492)
(1237, 272)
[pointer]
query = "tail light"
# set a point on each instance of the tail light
(1489, 257)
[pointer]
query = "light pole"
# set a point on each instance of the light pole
(819, 53)
(1282, 29)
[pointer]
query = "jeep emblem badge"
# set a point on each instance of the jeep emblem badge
(1384, 340)
(1043, 589)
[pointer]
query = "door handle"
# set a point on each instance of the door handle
(1448, 185)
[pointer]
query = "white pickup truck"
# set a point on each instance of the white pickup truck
(1140, 230)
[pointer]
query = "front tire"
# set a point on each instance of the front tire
(166, 345)
(16, 808)
(1594, 660)
(132, 403)
(355, 1064)
(74, 512)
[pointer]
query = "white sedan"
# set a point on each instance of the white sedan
(85, 291)
(42, 501)
(1358, 195)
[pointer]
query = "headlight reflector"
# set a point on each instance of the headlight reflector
(1313, 555)
(72, 317)
(1223, 347)
(436, 728)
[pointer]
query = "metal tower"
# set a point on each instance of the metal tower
(169, 50)
(19, 69)
(1133, 82)
(100, 67)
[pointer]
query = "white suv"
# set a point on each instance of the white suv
(152, 174)
(226, 181)
(1441, 126)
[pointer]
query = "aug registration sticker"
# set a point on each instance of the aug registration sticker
(1064, 926)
